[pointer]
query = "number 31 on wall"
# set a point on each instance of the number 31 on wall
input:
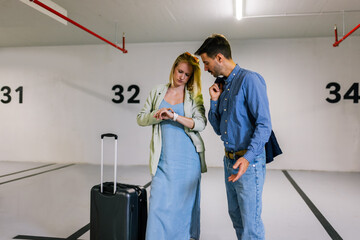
(351, 94)
(6, 96)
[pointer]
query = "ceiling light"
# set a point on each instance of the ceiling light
(44, 11)
(239, 9)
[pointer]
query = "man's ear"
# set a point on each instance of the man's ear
(219, 57)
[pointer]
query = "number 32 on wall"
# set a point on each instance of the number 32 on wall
(351, 94)
(119, 89)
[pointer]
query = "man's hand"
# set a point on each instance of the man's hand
(242, 164)
(215, 91)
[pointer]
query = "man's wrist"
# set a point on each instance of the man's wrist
(213, 105)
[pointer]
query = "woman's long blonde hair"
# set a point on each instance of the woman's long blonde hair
(194, 83)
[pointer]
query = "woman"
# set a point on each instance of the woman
(177, 115)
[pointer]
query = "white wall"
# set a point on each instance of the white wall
(67, 94)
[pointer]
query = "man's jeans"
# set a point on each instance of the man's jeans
(245, 198)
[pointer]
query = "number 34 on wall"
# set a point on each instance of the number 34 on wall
(351, 94)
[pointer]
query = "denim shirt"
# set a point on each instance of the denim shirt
(241, 115)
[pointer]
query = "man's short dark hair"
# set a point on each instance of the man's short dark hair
(215, 44)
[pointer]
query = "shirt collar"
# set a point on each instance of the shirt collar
(232, 74)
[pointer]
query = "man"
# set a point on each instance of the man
(239, 113)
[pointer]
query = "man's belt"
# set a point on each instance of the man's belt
(234, 155)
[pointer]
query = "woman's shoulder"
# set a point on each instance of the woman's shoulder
(198, 98)
(160, 87)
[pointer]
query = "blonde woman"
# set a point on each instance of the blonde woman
(177, 115)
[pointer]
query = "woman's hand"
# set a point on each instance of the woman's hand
(164, 114)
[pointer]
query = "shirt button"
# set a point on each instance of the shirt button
(225, 110)
(225, 99)
(227, 143)
(253, 165)
(226, 121)
(225, 132)
(228, 89)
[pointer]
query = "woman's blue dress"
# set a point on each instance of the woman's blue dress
(174, 205)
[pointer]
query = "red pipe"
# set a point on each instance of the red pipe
(336, 43)
(80, 26)
(124, 41)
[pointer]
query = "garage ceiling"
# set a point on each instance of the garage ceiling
(175, 21)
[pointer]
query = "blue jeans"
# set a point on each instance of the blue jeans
(245, 198)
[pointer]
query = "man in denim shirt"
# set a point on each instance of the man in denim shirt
(239, 113)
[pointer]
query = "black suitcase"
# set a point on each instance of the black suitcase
(117, 213)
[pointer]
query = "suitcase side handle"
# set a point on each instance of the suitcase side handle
(102, 159)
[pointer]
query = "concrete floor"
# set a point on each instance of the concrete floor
(52, 201)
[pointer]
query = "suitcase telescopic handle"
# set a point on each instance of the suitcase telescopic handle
(102, 159)
(109, 135)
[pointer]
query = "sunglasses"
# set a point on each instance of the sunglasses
(195, 58)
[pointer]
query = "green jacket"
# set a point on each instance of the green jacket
(193, 108)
